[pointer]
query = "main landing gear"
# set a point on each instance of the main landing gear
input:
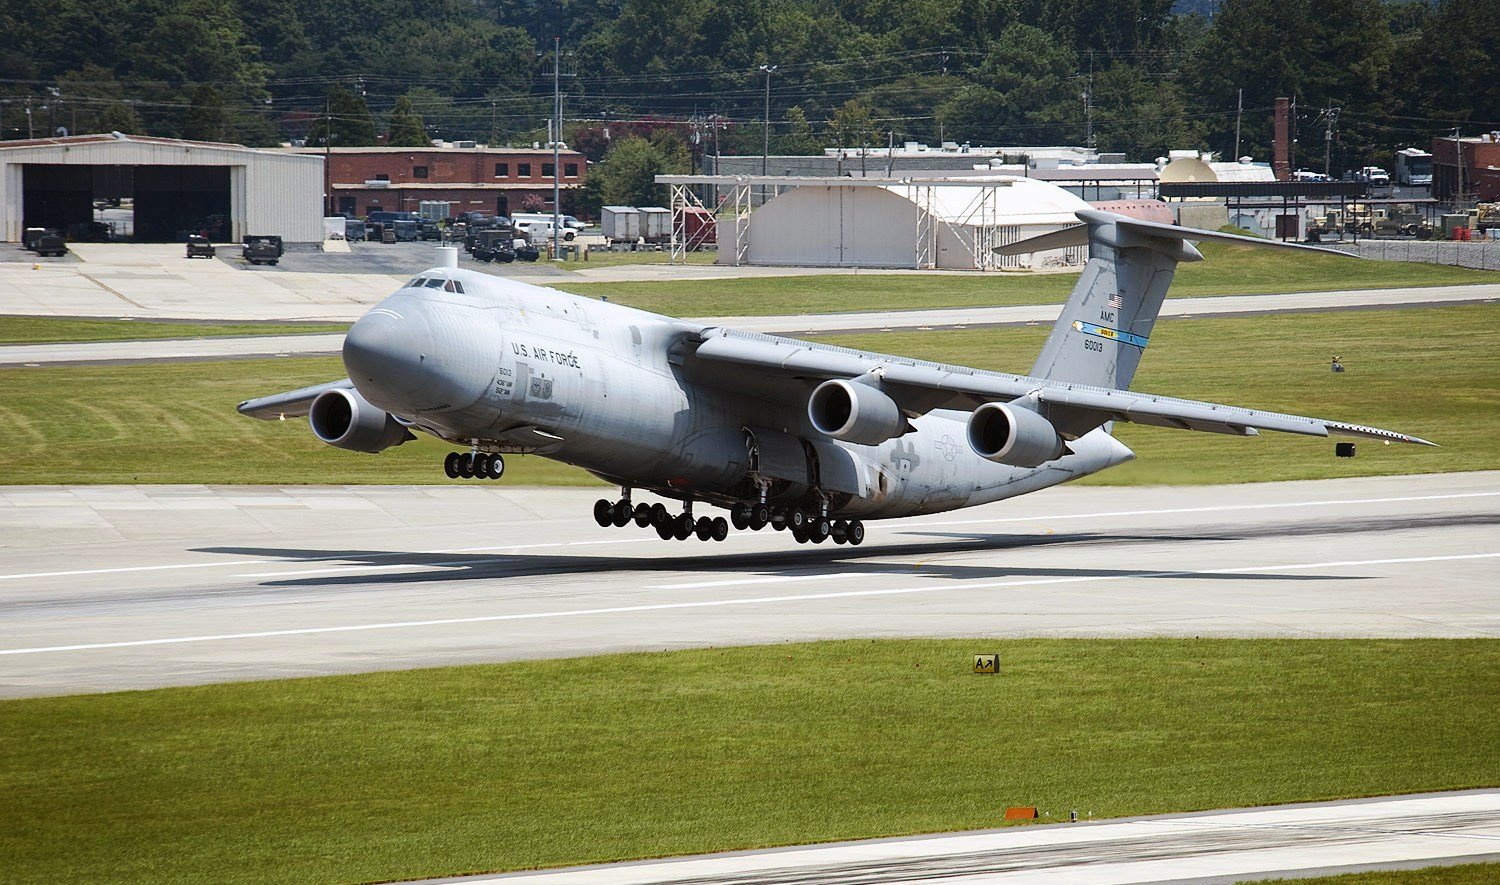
(806, 527)
(473, 465)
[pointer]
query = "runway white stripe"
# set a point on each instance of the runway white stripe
(761, 600)
(890, 525)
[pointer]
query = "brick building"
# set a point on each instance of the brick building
(1481, 167)
(494, 180)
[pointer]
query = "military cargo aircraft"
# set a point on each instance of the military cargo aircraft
(804, 437)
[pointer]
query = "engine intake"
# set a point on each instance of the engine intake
(344, 419)
(1013, 435)
(854, 412)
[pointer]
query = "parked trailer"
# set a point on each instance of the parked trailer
(656, 224)
(622, 224)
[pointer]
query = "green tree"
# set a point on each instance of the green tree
(1026, 91)
(347, 119)
(205, 119)
(627, 176)
(853, 125)
(120, 117)
(796, 136)
(406, 128)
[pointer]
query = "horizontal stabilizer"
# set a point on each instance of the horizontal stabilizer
(1127, 232)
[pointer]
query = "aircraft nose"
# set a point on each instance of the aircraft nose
(411, 355)
(387, 351)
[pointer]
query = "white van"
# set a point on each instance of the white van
(539, 230)
(569, 223)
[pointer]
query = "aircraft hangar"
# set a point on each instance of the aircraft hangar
(174, 187)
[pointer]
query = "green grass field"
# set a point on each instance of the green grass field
(1431, 372)
(1228, 270)
(42, 330)
(1462, 874)
(447, 771)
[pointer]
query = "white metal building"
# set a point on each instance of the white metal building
(893, 223)
(174, 187)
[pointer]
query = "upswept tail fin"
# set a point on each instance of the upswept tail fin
(1105, 326)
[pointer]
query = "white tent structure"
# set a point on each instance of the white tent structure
(891, 223)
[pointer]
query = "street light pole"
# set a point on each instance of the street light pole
(556, 147)
(765, 152)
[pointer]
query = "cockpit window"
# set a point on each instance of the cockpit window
(454, 286)
(416, 283)
(434, 283)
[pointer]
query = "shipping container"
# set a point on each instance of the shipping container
(622, 224)
(656, 224)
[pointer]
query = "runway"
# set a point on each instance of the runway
(122, 352)
(1283, 841)
(110, 588)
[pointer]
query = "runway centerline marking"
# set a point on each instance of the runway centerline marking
(757, 600)
(240, 563)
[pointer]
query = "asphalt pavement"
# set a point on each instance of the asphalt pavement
(121, 587)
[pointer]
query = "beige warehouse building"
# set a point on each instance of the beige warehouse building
(174, 187)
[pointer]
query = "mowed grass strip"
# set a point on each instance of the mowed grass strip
(1432, 372)
(44, 330)
(1227, 270)
(438, 772)
(1461, 874)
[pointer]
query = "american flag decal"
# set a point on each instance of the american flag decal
(1115, 301)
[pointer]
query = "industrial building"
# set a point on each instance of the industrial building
(885, 222)
(470, 176)
(1467, 167)
(173, 187)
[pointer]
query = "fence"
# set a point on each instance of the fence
(1481, 255)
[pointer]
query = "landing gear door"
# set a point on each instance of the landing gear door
(841, 470)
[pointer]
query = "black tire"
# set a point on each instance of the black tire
(739, 515)
(659, 515)
(856, 532)
(683, 526)
(623, 513)
(799, 534)
(820, 529)
(465, 466)
(497, 467)
(704, 528)
(760, 513)
(721, 528)
(604, 513)
(665, 530)
(840, 531)
(481, 466)
(642, 515)
(450, 465)
(797, 519)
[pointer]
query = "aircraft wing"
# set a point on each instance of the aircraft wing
(292, 404)
(919, 386)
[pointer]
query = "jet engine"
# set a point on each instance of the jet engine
(344, 419)
(854, 412)
(1013, 435)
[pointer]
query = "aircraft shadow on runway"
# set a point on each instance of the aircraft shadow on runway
(797, 561)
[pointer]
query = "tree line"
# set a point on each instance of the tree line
(687, 76)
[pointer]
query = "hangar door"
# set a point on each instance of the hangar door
(169, 202)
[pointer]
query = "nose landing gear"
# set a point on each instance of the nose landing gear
(473, 465)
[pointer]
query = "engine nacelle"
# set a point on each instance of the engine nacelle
(1013, 435)
(854, 412)
(344, 419)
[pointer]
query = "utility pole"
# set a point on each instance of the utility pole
(1458, 159)
(890, 154)
(1088, 104)
(556, 147)
(30, 130)
(328, 152)
(1239, 110)
(1332, 115)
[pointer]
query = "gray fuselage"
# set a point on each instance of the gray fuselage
(514, 368)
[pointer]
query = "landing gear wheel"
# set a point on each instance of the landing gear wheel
(497, 467)
(666, 529)
(704, 528)
(840, 531)
(800, 534)
(642, 514)
(450, 465)
(856, 532)
(481, 466)
(739, 514)
(683, 526)
(821, 529)
(604, 513)
(465, 466)
(721, 528)
(660, 516)
(622, 513)
(778, 520)
(760, 517)
(796, 519)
